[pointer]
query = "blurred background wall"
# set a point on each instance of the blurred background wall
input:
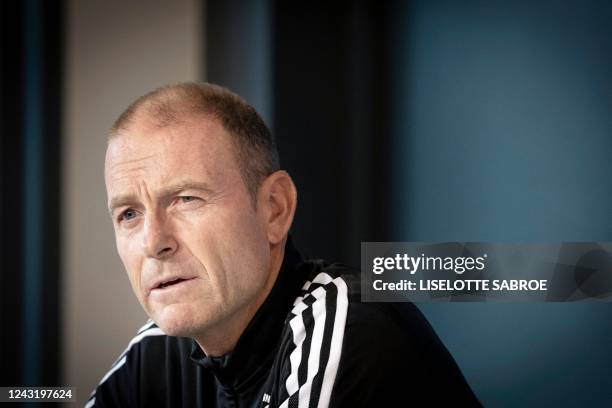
(115, 51)
(503, 116)
(407, 121)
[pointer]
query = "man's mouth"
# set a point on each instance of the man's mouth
(170, 283)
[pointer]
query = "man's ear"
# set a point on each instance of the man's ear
(278, 198)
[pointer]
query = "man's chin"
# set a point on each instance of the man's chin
(175, 321)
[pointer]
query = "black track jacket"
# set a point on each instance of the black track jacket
(312, 343)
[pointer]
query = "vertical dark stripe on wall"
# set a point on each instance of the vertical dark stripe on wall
(32, 198)
(11, 212)
(330, 87)
(30, 191)
(368, 140)
(51, 324)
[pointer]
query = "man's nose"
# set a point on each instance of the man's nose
(157, 241)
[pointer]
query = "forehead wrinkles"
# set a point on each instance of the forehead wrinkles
(196, 149)
(130, 165)
(122, 168)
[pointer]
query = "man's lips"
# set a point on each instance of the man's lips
(166, 283)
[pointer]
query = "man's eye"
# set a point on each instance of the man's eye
(187, 199)
(127, 215)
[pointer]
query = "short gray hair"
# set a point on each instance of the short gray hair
(254, 145)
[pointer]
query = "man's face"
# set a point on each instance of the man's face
(195, 250)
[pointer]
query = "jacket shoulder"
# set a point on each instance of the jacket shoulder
(384, 346)
(149, 353)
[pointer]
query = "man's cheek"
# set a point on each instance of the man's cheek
(132, 269)
(128, 253)
(133, 282)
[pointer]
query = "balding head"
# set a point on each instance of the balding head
(176, 104)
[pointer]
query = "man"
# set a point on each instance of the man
(201, 212)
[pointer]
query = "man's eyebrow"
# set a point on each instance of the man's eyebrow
(120, 200)
(185, 185)
(125, 199)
